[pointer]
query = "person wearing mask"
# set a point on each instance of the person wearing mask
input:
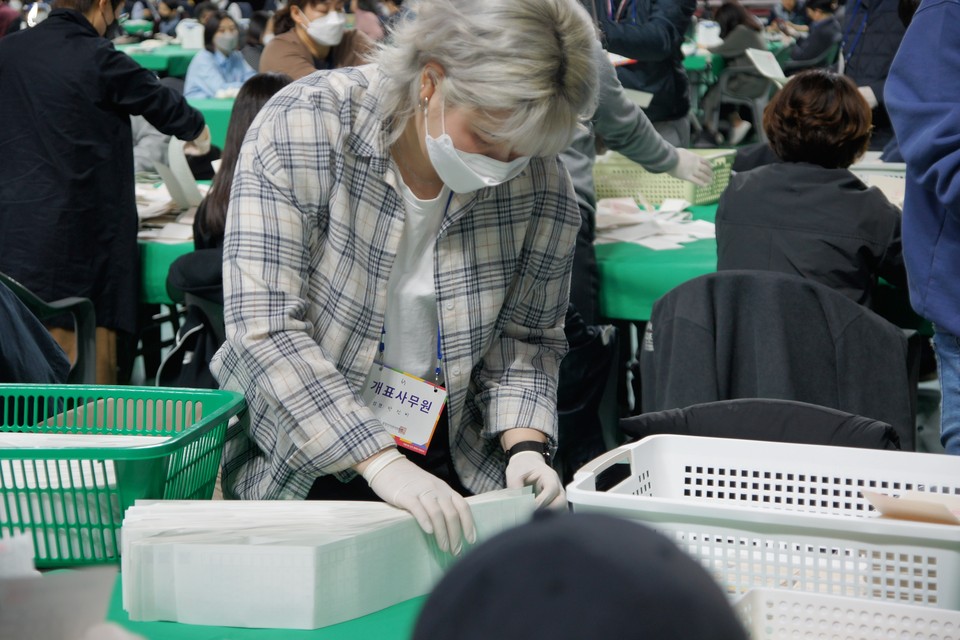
(651, 32)
(923, 98)
(68, 215)
(311, 35)
(259, 33)
(400, 233)
(220, 68)
(808, 215)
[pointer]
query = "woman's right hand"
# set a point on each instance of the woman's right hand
(438, 509)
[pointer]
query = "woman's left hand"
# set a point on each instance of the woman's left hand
(528, 468)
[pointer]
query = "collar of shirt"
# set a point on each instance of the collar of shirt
(224, 62)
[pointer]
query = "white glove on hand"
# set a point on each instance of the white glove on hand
(438, 509)
(200, 146)
(529, 468)
(869, 96)
(692, 168)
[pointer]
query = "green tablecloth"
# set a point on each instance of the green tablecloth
(394, 623)
(155, 261)
(217, 114)
(137, 26)
(633, 277)
(169, 59)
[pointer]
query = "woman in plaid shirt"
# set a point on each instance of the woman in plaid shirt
(413, 213)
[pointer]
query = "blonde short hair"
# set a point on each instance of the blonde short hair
(529, 59)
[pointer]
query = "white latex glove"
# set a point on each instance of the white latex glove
(438, 509)
(200, 146)
(692, 168)
(869, 96)
(529, 468)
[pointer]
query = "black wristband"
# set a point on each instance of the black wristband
(530, 445)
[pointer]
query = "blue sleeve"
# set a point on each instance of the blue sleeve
(652, 38)
(203, 77)
(923, 99)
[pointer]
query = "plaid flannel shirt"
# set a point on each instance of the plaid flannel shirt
(314, 222)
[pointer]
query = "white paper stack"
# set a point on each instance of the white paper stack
(669, 227)
(67, 502)
(286, 564)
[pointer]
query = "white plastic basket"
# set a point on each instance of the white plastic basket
(777, 614)
(763, 514)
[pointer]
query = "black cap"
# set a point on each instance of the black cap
(577, 576)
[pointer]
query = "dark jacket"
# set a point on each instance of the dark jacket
(822, 35)
(68, 217)
(750, 334)
(923, 95)
(872, 32)
(651, 32)
(806, 220)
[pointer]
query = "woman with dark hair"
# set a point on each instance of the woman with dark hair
(259, 31)
(212, 212)
(739, 31)
(169, 13)
(809, 215)
(220, 67)
(824, 32)
(311, 35)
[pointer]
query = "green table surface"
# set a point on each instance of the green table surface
(170, 59)
(216, 112)
(393, 623)
(633, 277)
(137, 26)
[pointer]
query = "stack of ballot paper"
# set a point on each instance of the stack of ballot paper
(286, 564)
(669, 227)
(66, 501)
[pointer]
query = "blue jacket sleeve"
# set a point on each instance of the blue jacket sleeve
(923, 99)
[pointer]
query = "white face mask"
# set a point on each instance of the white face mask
(16, 5)
(466, 172)
(226, 43)
(267, 37)
(328, 30)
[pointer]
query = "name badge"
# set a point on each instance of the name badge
(409, 407)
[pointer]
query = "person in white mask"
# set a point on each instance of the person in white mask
(311, 35)
(220, 69)
(396, 267)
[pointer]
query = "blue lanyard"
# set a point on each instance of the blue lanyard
(436, 371)
(615, 16)
(863, 26)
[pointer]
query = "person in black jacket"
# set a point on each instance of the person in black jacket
(68, 217)
(823, 34)
(809, 215)
(872, 32)
(651, 32)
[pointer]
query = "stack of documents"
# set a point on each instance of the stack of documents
(286, 564)
(669, 227)
(66, 501)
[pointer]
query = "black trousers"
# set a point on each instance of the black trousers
(436, 461)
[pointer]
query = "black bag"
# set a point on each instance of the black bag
(188, 363)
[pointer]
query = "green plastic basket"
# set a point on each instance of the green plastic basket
(71, 497)
(616, 176)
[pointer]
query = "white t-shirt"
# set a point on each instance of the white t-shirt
(411, 323)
